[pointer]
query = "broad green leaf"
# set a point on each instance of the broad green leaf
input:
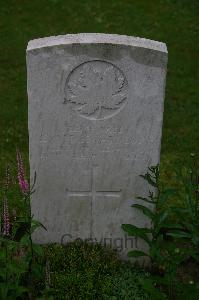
(38, 249)
(2, 253)
(34, 181)
(148, 285)
(136, 253)
(36, 224)
(189, 226)
(3, 239)
(3, 291)
(145, 199)
(179, 234)
(3, 271)
(25, 240)
(149, 179)
(12, 245)
(147, 211)
(136, 231)
(163, 196)
(195, 239)
(195, 256)
(16, 291)
(159, 220)
(37, 270)
(163, 216)
(173, 226)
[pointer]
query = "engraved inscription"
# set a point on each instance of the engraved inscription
(96, 90)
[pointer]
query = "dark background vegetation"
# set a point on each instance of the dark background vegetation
(174, 22)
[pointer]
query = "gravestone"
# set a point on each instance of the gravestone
(95, 123)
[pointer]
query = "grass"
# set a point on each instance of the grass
(174, 22)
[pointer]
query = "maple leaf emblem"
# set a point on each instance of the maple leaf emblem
(96, 89)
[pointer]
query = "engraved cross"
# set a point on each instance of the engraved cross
(93, 192)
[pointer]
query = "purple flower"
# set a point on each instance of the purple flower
(23, 183)
(6, 218)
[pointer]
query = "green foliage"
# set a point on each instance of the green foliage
(156, 212)
(187, 291)
(20, 259)
(150, 287)
(19, 266)
(167, 255)
(187, 212)
(85, 271)
(132, 283)
(11, 270)
(80, 270)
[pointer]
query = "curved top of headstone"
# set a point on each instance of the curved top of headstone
(96, 38)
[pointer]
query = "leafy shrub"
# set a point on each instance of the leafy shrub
(132, 283)
(187, 210)
(180, 222)
(20, 259)
(80, 270)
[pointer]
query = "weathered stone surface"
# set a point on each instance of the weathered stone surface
(95, 122)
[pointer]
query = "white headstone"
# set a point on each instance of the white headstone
(95, 123)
